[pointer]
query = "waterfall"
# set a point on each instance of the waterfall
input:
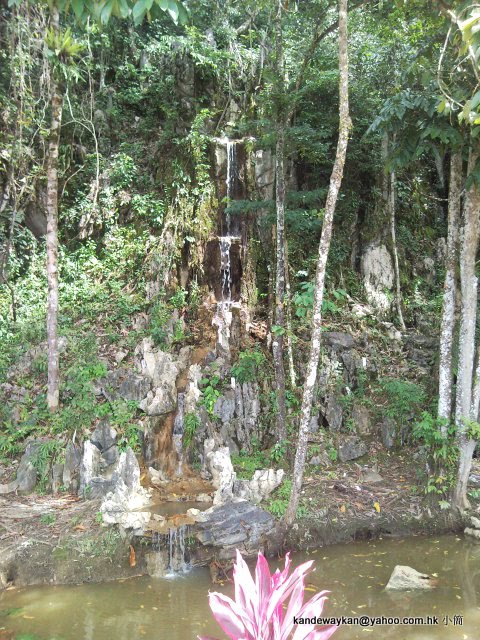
(178, 428)
(170, 549)
(223, 315)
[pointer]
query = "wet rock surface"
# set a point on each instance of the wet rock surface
(240, 525)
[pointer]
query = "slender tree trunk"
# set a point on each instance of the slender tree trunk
(466, 348)
(445, 377)
(291, 365)
(323, 249)
(278, 335)
(392, 207)
(52, 232)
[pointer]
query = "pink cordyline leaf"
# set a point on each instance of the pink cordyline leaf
(228, 615)
(257, 612)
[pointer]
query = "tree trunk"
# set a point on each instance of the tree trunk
(398, 293)
(278, 334)
(323, 249)
(445, 377)
(291, 365)
(466, 348)
(52, 232)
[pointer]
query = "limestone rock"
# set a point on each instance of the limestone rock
(247, 412)
(369, 476)
(475, 522)
(223, 476)
(265, 481)
(124, 504)
(26, 472)
(125, 385)
(333, 412)
(388, 431)
(164, 400)
(473, 533)
(89, 467)
(351, 449)
(362, 419)
(71, 467)
(338, 339)
(240, 525)
(405, 578)
(57, 477)
(105, 439)
(321, 460)
(224, 407)
(378, 275)
(192, 390)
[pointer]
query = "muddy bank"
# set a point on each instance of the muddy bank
(45, 540)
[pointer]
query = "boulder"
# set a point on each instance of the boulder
(338, 340)
(27, 472)
(369, 476)
(351, 449)
(405, 578)
(227, 527)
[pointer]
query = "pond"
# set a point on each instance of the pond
(176, 608)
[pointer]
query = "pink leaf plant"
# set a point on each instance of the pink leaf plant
(260, 610)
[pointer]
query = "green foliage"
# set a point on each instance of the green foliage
(248, 365)
(440, 450)
(210, 393)
(303, 300)
(279, 451)
(278, 504)
(191, 422)
(246, 464)
(48, 518)
(403, 398)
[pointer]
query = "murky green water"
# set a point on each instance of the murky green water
(176, 609)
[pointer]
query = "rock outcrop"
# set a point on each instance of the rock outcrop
(405, 578)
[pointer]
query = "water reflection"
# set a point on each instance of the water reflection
(176, 609)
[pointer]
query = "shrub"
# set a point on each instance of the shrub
(248, 364)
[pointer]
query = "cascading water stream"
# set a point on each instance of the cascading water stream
(178, 429)
(171, 549)
(223, 315)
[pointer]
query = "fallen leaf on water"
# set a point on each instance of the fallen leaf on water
(132, 559)
(33, 617)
